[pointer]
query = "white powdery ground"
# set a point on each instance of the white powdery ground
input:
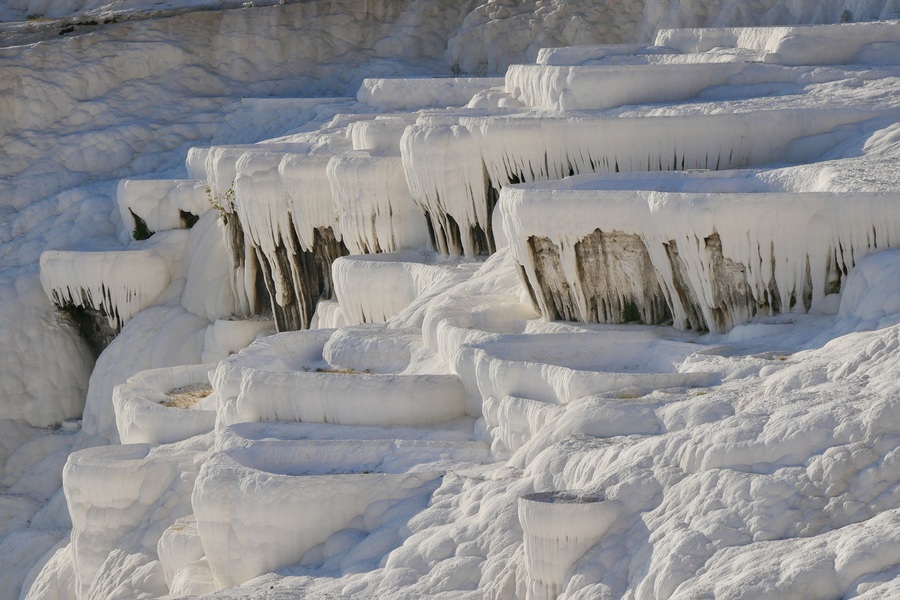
(80, 112)
(789, 465)
(796, 442)
(813, 434)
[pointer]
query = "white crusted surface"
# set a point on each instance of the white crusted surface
(414, 94)
(141, 416)
(558, 528)
(374, 288)
(119, 284)
(847, 226)
(787, 467)
(247, 516)
(125, 496)
(376, 211)
(208, 290)
(160, 202)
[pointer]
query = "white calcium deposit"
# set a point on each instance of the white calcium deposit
(619, 320)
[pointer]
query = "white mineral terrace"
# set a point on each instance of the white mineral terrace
(330, 395)
(393, 450)
(249, 433)
(247, 532)
(622, 324)
(118, 284)
(246, 496)
(559, 527)
(161, 204)
(297, 196)
(852, 42)
(377, 212)
(560, 368)
(375, 348)
(279, 195)
(390, 282)
(568, 56)
(149, 411)
(447, 178)
(858, 43)
(453, 185)
(512, 422)
(225, 337)
(282, 203)
(412, 94)
(524, 379)
(565, 88)
(112, 490)
(183, 559)
(218, 165)
(382, 134)
(769, 269)
(585, 144)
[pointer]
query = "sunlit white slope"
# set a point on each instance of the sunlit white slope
(763, 459)
(117, 284)
(126, 99)
(527, 27)
(772, 470)
(711, 280)
(789, 457)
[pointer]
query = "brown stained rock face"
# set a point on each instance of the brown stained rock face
(326, 250)
(484, 237)
(276, 269)
(620, 285)
(292, 280)
(732, 298)
(303, 278)
(92, 324)
(618, 279)
(234, 239)
(615, 274)
(244, 257)
(554, 294)
(446, 235)
(693, 318)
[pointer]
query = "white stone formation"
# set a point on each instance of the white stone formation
(663, 274)
(559, 527)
